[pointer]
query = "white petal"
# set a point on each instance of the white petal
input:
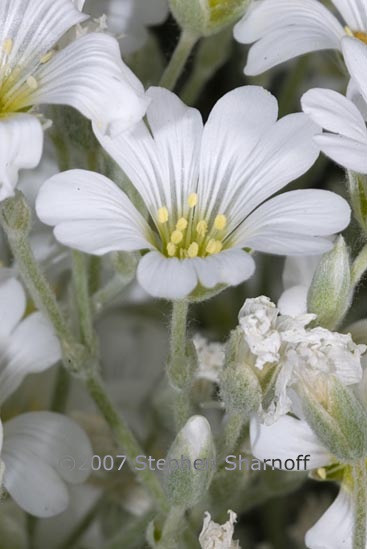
(293, 301)
(334, 530)
(164, 167)
(291, 223)
(265, 16)
(354, 13)
(285, 29)
(12, 305)
(90, 76)
(354, 94)
(230, 267)
(168, 278)
(335, 113)
(34, 26)
(21, 138)
(36, 452)
(347, 152)
(355, 57)
(32, 347)
(285, 439)
(286, 152)
(235, 126)
(299, 270)
(91, 214)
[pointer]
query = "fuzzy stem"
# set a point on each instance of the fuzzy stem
(80, 278)
(172, 526)
(360, 505)
(178, 60)
(125, 439)
(359, 266)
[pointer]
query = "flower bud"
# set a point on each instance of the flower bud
(125, 264)
(336, 416)
(206, 17)
(330, 294)
(358, 197)
(16, 215)
(240, 388)
(190, 463)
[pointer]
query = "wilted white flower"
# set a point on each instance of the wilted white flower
(284, 29)
(206, 190)
(218, 536)
(88, 75)
(291, 439)
(42, 451)
(210, 358)
(28, 345)
(345, 136)
(301, 354)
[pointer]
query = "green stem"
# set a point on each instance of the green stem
(359, 266)
(61, 390)
(173, 526)
(126, 440)
(233, 430)
(80, 278)
(109, 292)
(178, 60)
(132, 535)
(360, 505)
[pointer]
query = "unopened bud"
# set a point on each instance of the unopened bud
(336, 416)
(240, 388)
(125, 264)
(190, 463)
(358, 197)
(16, 215)
(206, 17)
(330, 294)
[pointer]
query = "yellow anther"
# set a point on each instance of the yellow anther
(321, 473)
(192, 200)
(171, 249)
(348, 31)
(32, 82)
(362, 36)
(8, 45)
(47, 56)
(181, 224)
(163, 215)
(193, 250)
(213, 246)
(220, 222)
(176, 237)
(202, 228)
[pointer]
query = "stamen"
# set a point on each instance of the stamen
(213, 246)
(202, 228)
(32, 82)
(193, 250)
(348, 31)
(192, 200)
(171, 249)
(45, 58)
(220, 222)
(321, 471)
(8, 46)
(181, 224)
(176, 237)
(163, 215)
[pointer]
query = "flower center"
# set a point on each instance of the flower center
(362, 36)
(191, 235)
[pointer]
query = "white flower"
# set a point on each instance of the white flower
(128, 19)
(218, 536)
(206, 191)
(210, 358)
(345, 136)
(42, 451)
(284, 29)
(27, 345)
(299, 353)
(290, 438)
(88, 75)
